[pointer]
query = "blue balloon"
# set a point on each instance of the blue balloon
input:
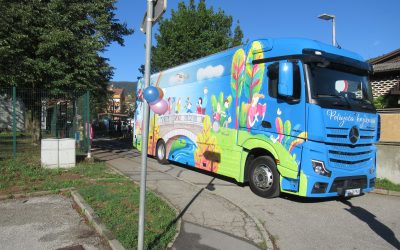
(151, 94)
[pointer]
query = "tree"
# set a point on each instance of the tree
(193, 31)
(56, 44)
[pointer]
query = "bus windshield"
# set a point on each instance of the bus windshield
(350, 88)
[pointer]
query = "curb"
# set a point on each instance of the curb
(34, 194)
(385, 192)
(177, 211)
(95, 221)
(264, 233)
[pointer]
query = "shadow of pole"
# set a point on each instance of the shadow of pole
(378, 227)
(157, 239)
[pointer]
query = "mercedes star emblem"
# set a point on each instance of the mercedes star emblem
(354, 134)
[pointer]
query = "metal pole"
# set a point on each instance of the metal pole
(89, 124)
(14, 97)
(145, 131)
(334, 31)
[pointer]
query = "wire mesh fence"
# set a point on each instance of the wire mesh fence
(27, 116)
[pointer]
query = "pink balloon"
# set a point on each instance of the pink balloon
(159, 107)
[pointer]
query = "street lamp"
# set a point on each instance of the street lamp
(330, 17)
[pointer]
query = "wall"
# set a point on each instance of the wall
(390, 127)
(6, 114)
(388, 162)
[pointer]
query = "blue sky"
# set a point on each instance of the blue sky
(368, 27)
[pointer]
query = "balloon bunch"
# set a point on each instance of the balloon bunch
(154, 97)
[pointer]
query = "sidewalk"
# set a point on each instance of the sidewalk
(45, 222)
(208, 221)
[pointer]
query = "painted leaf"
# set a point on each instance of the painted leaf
(229, 98)
(221, 98)
(254, 72)
(302, 136)
(237, 69)
(214, 102)
(287, 128)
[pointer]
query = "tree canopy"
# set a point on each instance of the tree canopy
(57, 44)
(193, 31)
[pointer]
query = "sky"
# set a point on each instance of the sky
(368, 27)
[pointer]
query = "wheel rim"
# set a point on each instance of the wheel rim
(161, 151)
(263, 177)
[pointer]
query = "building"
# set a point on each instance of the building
(117, 103)
(385, 78)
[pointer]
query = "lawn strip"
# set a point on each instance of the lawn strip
(114, 198)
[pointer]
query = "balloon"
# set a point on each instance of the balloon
(160, 93)
(151, 94)
(159, 107)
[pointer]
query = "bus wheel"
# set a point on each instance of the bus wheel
(161, 153)
(264, 177)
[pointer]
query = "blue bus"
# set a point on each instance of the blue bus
(284, 115)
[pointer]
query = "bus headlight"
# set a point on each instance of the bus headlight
(319, 168)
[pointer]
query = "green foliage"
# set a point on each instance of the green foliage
(380, 102)
(57, 44)
(193, 31)
(386, 184)
(387, 101)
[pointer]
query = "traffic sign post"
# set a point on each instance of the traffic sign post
(157, 7)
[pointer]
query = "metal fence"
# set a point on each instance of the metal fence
(29, 115)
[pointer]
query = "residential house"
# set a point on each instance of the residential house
(385, 78)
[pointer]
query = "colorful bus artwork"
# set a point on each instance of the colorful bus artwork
(284, 115)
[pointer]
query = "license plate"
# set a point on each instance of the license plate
(352, 192)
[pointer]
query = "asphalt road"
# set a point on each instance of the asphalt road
(370, 221)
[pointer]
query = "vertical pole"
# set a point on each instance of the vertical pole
(145, 131)
(14, 103)
(88, 124)
(334, 31)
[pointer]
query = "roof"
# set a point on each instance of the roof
(117, 92)
(386, 67)
(391, 56)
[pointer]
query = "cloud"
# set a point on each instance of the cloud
(178, 78)
(210, 72)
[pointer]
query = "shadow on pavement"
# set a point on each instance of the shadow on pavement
(378, 227)
(180, 215)
(301, 199)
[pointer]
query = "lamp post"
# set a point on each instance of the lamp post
(330, 17)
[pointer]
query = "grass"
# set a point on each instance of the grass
(114, 198)
(116, 202)
(386, 184)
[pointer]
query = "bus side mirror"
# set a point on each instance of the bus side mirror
(285, 85)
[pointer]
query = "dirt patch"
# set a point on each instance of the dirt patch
(69, 176)
(11, 190)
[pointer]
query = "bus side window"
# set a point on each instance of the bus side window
(273, 79)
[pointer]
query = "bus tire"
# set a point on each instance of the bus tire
(161, 152)
(264, 177)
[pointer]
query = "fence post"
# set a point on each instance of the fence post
(88, 124)
(14, 103)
